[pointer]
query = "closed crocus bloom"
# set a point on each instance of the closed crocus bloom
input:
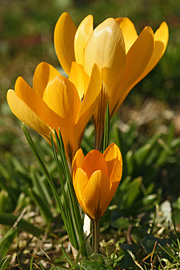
(123, 57)
(96, 178)
(57, 102)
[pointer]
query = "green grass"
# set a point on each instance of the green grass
(139, 229)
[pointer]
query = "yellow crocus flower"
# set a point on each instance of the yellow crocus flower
(96, 178)
(123, 57)
(55, 102)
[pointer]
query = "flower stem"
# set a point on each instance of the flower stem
(95, 236)
(99, 119)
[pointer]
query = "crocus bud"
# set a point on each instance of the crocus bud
(96, 177)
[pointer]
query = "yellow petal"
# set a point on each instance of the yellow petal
(161, 39)
(116, 172)
(137, 59)
(95, 197)
(35, 103)
(64, 34)
(112, 152)
(138, 56)
(162, 35)
(108, 198)
(113, 158)
(83, 33)
(77, 160)
(26, 115)
(89, 101)
(128, 31)
(61, 96)
(79, 181)
(94, 161)
(42, 75)
(79, 78)
(106, 48)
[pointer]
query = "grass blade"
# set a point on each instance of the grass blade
(74, 206)
(4, 262)
(106, 129)
(43, 207)
(24, 225)
(6, 241)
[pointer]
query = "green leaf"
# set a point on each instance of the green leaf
(22, 202)
(170, 134)
(3, 183)
(176, 216)
(45, 172)
(150, 199)
(163, 154)
(67, 216)
(175, 143)
(131, 247)
(24, 225)
(150, 241)
(16, 164)
(168, 251)
(43, 207)
(6, 241)
(4, 201)
(4, 262)
(72, 232)
(73, 203)
(40, 187)
(130, 190)
(129, 162)
(121, 223)
(92, 265)
(127, 261)
(141, 154)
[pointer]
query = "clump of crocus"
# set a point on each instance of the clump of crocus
(57, 102)
(123, 56)
(96, 177)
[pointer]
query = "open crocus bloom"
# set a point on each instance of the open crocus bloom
(55, 101)
(123, 57)
(96, 178)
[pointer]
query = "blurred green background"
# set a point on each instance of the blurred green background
(146, 128)
(26, 38)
